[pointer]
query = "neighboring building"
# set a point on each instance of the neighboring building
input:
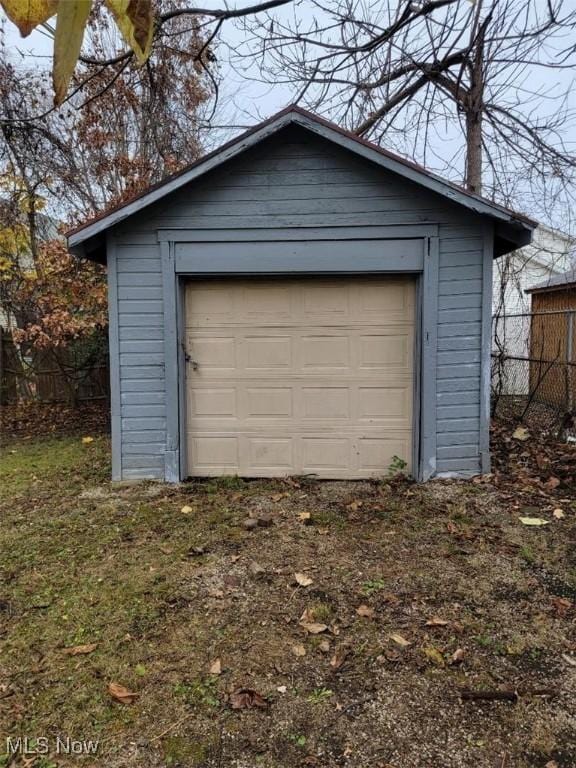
(553, 341)
(300, 302)
(549, 255)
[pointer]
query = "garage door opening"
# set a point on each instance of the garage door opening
(299, 376)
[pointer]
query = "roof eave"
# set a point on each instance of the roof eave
(520, 227)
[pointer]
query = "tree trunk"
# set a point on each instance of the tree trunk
(473, 107)
(474, 149)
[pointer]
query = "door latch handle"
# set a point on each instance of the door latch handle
(188, 359)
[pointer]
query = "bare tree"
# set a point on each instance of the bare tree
(467, 88)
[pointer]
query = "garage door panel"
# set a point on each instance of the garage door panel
(260, 353)
(214, 451)
(216, 403)
(322, 351)
(299, 376)
(377, 452)
(375, 403)
(271, 453)
(326, 402)
(322, 454)
(268, 402)
(385, 351)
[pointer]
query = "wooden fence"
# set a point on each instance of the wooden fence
(76, 374)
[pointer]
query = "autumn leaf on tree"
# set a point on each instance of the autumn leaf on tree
(134, 19)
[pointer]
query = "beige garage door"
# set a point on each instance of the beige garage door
(298, 376)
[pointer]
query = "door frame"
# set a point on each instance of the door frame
(176, 271)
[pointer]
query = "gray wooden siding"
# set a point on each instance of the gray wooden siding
(288, 182)
(459, 348)
(141, 360)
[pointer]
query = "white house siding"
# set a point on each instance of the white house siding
(550, 254)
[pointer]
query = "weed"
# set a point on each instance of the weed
(202, 692)
(298, 739)
(397, 466)
(372, 585)
(527, 554)
(319, 695)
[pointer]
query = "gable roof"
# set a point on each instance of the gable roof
(517, 227)
(566, 280)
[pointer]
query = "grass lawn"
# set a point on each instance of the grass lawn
(408, 596)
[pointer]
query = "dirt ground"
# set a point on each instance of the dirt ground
(287, 623)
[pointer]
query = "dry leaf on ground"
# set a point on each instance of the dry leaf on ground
(521, 433)
(247, 698)
(458, 656)
(534, 521)
(559, 514)
(337, 661)
(216, 667)
(298, 650)
(186, 510)
(313, 628)
(81, 650)
(365, 611)
(303, 580)
(435, 621)
(434, 655)
(399, 640)
(121, 694)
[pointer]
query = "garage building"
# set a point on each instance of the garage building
(300, 302)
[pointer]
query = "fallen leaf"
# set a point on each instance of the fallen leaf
(121, 694)
(521, 433)
(80, 650)
(87, 440)
(303, 580)
(337, 661)
(354, 506)
(559, 514)
(256, 569)
(186, 510)
(304, 517)
(571, 660)
(365, 611)
(325, 646)
(434, 655)
(435, 621)
(195, 551)
(282, 689)
(561, 606)
(399, 640)
(247, 698)
(552, 483)
(458, 656)
(279, 496)
(298, 650)
(535, 521)
(313, 628)
(216, 667)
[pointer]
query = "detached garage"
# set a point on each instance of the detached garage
(300, 302)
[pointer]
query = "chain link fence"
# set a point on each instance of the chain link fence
(534, 369)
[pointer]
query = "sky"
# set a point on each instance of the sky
(244, 100)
